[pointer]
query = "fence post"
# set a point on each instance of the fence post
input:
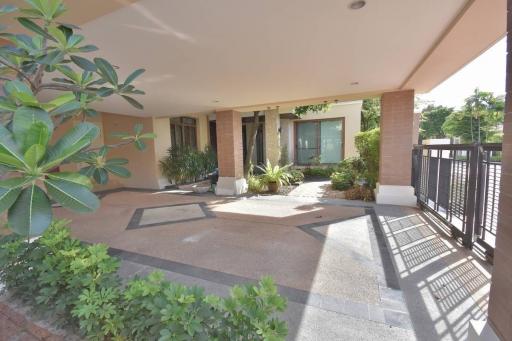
(469, 228)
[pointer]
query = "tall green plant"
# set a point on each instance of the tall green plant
(275, 174)
(367, 144)
(51, 59)
(185, 163)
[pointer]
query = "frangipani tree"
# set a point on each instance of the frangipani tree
(50, 58)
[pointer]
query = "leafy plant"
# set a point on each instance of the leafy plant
(303, 110)
(185, 163)
(59, 276)
(321, 172)
(367, 144)
(275, 174)
(30, 65)
(296, 176)
(342, 180)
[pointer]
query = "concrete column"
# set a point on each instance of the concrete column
(272, 139)
(230, 154)
(500, 301)
(396, 142)
(202, 131)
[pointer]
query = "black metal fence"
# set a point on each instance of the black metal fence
(460, 184)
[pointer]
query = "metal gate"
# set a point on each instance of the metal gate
(460, 184)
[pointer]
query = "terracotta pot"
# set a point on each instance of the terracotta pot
(273, 187)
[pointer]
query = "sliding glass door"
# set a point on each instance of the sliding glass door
(319, 141)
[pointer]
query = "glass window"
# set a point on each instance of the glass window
(183, 132)
(319, 141)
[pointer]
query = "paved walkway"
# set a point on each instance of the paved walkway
(350, 270)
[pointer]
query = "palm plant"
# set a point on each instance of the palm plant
(275, 176)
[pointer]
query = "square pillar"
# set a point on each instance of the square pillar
(500, 299)
(230, 154)
(272, 136)
(396, 143)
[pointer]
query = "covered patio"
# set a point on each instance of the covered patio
(350, 270)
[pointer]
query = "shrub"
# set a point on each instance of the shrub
(58, 275)
(186, 164)
(255, 184)
(367, 143)
(359, 193)
(342, 181)
(296, 176)
(321, 172)
(275, 174)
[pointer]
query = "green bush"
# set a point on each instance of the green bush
(186, 164)
(342, 181)
(367, 143)
(321, 172)
(255, 184)
(60, 277)
(296, 176)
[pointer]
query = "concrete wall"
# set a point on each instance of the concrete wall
(351, 111)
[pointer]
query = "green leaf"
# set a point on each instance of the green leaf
(72, 196)
(137, 128)
(87, 171)
(140, 145)
(117, 162)
(8, 196)
(5, 9)
(76, 139)
(100, 175)
(34, 154)
(84, 63)
(17, 182)
(148, 136)
(75, 178)
(106, 70)
(59, 35)
(88, 48)
(9, 148)
(118, 170)
(133, 102)
(38, 133)
(51, 58)
(31, 214)
(66, 108)
(62, 99)
(15, 86)
(32, 26)
(23, 120)
(133, 75)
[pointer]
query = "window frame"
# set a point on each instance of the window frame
(180, 122)
(318, 139)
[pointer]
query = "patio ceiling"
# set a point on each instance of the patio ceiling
(202, 56)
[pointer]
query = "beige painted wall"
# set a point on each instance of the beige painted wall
(203, 127)
(162, 129)
(351, 111)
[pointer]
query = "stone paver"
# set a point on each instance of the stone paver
(350, 270)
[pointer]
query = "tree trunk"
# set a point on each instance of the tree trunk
(252, 143)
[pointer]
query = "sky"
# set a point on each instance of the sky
(487, 72)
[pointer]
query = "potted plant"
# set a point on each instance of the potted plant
(275, 176)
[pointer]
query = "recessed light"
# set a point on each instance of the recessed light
(215, 101)
(357, 4)
(354, 83)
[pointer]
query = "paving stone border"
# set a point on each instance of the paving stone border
(137, 215)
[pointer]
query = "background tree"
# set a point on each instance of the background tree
(480, 119)
(432, 120)
(50, 59)
(370, 114)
